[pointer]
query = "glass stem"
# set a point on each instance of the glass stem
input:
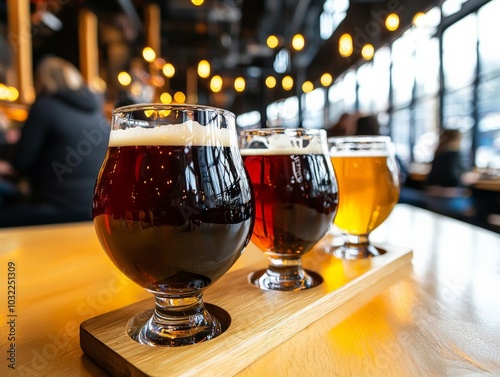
(178, 320)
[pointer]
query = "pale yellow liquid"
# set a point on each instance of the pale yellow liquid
(368, 191)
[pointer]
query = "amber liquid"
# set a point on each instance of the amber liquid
(296, 201)
(173, 218)
(369, 190)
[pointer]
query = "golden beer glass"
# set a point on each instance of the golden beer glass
(368, 180)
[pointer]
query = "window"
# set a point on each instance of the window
(313, 105)
(402, 70)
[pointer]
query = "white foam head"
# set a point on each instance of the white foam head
(283, 144)
(189, 133)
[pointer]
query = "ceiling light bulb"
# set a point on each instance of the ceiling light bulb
(367, 51)
(270, 82)
(124, 78)
(326, 79)
(239, 84)
(287, 82)
(298, 42)
(168, 70)
(216, 84)
(392, 22)
(204, 69)
(307, 87)
(149, 54)
(345, 45)
(272, 41)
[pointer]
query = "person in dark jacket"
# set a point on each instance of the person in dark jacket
(447, 168)
(61, 149)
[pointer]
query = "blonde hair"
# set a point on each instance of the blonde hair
(54, 74)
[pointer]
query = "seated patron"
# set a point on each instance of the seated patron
(61, 148)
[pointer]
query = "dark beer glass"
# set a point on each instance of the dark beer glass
(173, 209)
(296, 200)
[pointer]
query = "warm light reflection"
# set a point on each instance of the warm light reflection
(298, 42)
(392, 22)
(204, 69)
(307, 87)
(179, 97)
(164, 114)
(367, 51)
(345, 45)
(124, 78)
(197, 2)
(149, 54)
(239, 84)
(149, 113)
(168, 70)
(272, 41)
(270, 82)
(287, 82)
(165, 98)
(326, 79)
(216, 84)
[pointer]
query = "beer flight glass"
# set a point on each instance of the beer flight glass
(295, 201)
(173, 209)
(367, 175)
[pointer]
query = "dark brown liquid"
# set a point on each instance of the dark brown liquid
(173, 218)
(296, 199)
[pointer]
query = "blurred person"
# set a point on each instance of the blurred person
(444, 184)
(447, 169)
(61, 148)
(345, 126)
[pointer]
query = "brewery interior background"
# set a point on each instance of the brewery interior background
(419, 66)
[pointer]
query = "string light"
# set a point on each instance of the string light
(124, 78)
(287, 82)
(179, 97)
(166, 98)
(367, 51)
(149, 54)
(239, 84)
(204, 69)
(272, 41)
(307, 87)
(168, 70)
(298, 42)
(216, 84)
(392, 22)
(345, 45)
(270, 82)
(326, 79)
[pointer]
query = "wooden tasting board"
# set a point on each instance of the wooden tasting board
(260, 320)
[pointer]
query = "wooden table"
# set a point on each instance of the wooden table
(439, 317)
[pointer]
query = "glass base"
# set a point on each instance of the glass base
(271, 281)
(351, 252)
(145, 328)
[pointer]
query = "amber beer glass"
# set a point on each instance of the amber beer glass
(173, 209)
(367, 175)
(295, 201)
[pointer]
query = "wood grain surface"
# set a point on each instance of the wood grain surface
(260, 320)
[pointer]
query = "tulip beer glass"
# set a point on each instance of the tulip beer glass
(367, 175)
(295, 201)
(173, 209)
